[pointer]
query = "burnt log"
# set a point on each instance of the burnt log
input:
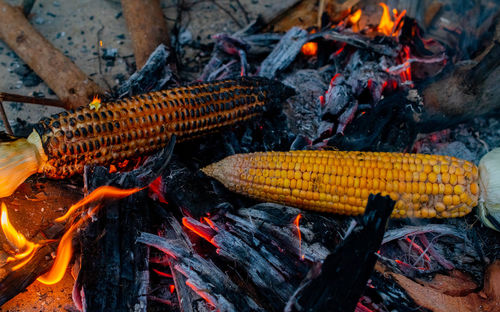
(114, 272)
(342, 278)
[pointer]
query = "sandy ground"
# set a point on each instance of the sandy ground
(76, 27)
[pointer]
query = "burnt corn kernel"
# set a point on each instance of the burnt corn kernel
(143, 124)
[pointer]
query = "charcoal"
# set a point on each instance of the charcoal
(302, 110)
(202, 275)
(153, 76)
(343, 275)
(284, 53)
(108, 247)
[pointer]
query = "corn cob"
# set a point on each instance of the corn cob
(424, 186)
(62, 145)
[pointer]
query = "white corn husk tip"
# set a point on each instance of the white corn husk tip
(489, 184)
(18, 160)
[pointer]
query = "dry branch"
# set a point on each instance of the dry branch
(147, 27)
(70, 84)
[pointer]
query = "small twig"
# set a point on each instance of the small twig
(227, 12)
(5, 119)
(9, 97)
(244, 11)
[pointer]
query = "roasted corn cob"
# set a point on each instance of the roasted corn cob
(425, 186)
(62, 145)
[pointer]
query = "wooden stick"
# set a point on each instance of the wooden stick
(147, 27)
(9, 97)
(5, 119)
(71, 85)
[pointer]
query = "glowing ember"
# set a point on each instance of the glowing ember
(172, 288)
(98, 194)
(200, 229)
(387, 26)
(355, 17)
(203, 294)
(155, 188)
(162, 273)
(406, 74)
(296, 222)
(24, 248)
(310, 49)
(210, 223)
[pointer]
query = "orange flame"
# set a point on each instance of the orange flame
(25, 249)
(355, 17)
(63, 256)
(96, 103)
(387, 26)
(99, 193)
(297, 225)
(65, 248)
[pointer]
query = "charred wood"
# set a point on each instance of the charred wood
(342, 278)
(155, 74)
(15, 282)
(108, 248)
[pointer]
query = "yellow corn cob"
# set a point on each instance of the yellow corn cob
(62, 145)
(423, 186)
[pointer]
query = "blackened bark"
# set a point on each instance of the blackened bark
(344, 273)
(114, 268)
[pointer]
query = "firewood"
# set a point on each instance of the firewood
(109, 248)
(70, 83)
(147, 27)
(341, 281)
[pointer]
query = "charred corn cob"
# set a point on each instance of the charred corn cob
(62, 145)
(424, 186)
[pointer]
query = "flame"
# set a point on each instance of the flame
(297, 225)
(65, 248)
(63, 256)
(96, 103)
(386, 25)
(25, 249)
(355, 17)
(99, 193)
